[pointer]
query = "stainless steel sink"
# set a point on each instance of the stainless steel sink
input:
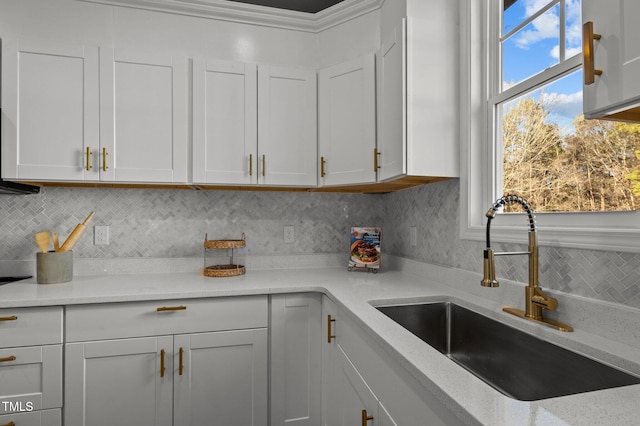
(515, 363)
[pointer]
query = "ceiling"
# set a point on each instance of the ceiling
(308, 6)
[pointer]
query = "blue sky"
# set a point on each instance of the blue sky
(536, 47)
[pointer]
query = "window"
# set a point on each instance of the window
(521, 58)
(546, 152)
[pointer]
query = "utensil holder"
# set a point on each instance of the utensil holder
(54, 267)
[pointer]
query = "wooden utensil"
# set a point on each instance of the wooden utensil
(42, 240)
(56, 242)
(72, 239)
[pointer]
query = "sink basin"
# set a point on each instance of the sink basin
(513, 362)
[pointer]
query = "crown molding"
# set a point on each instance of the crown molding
(257, 15)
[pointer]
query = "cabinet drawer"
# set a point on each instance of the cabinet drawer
(137, 319)
(30, 378)
(30, 326)
(33, 418)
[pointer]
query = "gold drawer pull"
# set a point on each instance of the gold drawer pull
(11, 318)
(588, 36)
(88, 165)
(264, 164)
(330, 335)
(11, 423)
(171, 308)
(9, 358)
(365, 417)
(376, 155)
(181, 366)
(322, 161)
(104, 160)
(162, 363)
(250, 164)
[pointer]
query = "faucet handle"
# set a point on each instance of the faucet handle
(489, 279)
(545, 302)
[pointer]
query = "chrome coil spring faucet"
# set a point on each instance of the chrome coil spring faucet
(535, 299)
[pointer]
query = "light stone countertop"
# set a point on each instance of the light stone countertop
(604, 331)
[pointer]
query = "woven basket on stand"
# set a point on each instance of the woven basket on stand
(230, 270)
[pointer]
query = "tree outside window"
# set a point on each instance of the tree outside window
(549, 153)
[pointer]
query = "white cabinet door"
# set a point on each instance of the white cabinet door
(223, 379)
(296, 339)
(143, 114)
(225, 141)
(347, 122)
(329, 350)
(392, 141)
(354, 401)
(287, 141)
(50, 110)
(418, 96)
(119, 382)
(30, 378)
(617, 55)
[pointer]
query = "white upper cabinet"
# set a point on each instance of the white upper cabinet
(347, 122)
(143, 115)
(77, 113)
(287, 132)
(253, 124)
(50, 104)
(418, 90)
(615, 93)
(392, 144)
(225, 141)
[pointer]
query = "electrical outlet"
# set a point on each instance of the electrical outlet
(289, 236)
(413, 236)
(101, 235)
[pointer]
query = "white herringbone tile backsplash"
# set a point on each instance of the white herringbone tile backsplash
(158, 223)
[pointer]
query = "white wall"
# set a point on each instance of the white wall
(71, 21)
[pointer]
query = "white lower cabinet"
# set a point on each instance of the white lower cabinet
(363, 385)
(353, 400)
(221, 378)
(200, 378)
(119, 382)
(295, 359)
(347, 398)
(33, 418)
(30, 366)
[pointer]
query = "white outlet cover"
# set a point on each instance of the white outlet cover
(289, 235)
(101, 235)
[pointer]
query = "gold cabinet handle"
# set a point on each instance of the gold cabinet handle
(171, 308)
(11, 318)
(330, 335)
(365, 417)
(181, 365)
(7, 359)
(11, 423)
(376, 155)
(162, 363)
(588, 36)
(250, 164)
(104, 160)
(322, 161)
(88, 164)
(264, 162)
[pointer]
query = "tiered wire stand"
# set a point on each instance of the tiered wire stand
(230, 270)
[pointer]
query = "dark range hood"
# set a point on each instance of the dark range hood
(14, 188)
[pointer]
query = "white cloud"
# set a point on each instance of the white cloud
(547, 26)
(563, 105)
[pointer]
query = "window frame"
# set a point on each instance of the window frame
(616, 231)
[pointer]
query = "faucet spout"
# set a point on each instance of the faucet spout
(535, 300)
